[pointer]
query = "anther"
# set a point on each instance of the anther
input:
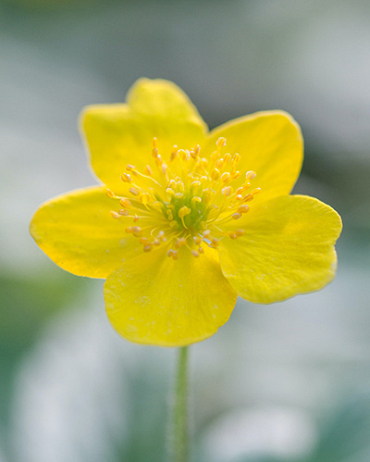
(181, 241)
(236, 215)
(110, 193)
(243, 208)
(195, 199)
(197, 239)
(134, 191)
(123, 212)
(137, 231)
(147, 248)
(173, 253)
(114, 214)
(148, 170)
(159, 160)
(173, 153)
(144, 198)
(227, 158)
(227, 191)
(225, 177)
(250, 175)
(220, 163)
(196, 183)
(221, 142)
(184, 155)
(126, 178)
(236, 234)
(125, 203)
(215, 174)
(170, 191)
(203, 163)
(235, 159)
(195, 253)
(255, 191)
(195, 152)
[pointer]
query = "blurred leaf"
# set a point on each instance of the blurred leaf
(26, 303)
(347, 437)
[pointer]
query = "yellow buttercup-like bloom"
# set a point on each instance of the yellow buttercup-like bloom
(185, 219)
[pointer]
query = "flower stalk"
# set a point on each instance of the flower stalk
(179, 430)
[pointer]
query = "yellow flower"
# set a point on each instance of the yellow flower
(187, 219)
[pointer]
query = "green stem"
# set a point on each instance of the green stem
(180, 449)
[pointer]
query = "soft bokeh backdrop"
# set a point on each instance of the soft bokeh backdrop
(287, 382)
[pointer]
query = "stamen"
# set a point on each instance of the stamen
(243, 208)
(250, 175)
(221, 142)
(148, 170)
(126, 177)
(173, 153)
(180, 242)
(225, 177)
(215, 174)
(137, 231)
(227, 191)
(185, 202)
(134, 191)
(125, 203)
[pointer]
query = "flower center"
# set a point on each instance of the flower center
(185, 201)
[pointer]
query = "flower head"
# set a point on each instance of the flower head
(185, 219)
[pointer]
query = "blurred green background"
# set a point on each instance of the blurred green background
(286, 382)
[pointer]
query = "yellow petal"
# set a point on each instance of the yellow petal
(287, 249)
(78, 233)
(121, 134)
(155, 300)
(270, 143)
